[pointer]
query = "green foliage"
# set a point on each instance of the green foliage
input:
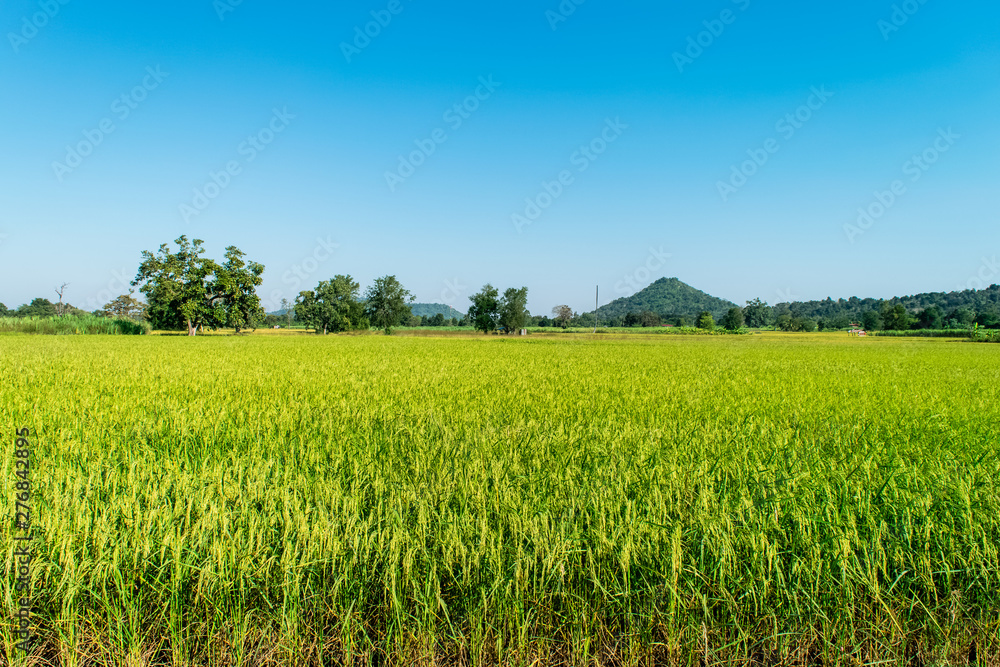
(895, 317)
(484, 313)
(667, 297)
(706, 321)
(73, 325)
(386, 303)
(334, 306)
(235, 288)
(757, 314)
(513, 312)
(733, 321)
(871, 320)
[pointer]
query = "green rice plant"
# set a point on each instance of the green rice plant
(305, 500)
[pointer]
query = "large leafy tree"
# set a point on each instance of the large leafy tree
(895, 318)
(485, 310)
(183, 289)
(333, 306)
(235, 290)
(387, 303)
(757, 314)
(514, 309)
(706, 321)
(733, 319)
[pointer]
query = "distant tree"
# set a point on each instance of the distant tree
(895, 318)
(681, 321)
(60, 306)
(963, 315)
(484, 314)
(125, 307)
(513, 312)
(288, 307)
(562, 315)
(706, 321)
(804, 324)
(424, 321)
(733, 319)
(437, 320)
(930, 318)
(784, 322)
(648, 318)
(414, 321)
(333, 306)
(39, 307)
(757, 314)
(3, 311)
(270, 320)
(871, 321)
(387, 303)
(543, 321)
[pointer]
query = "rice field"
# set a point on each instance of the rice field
(583, 500)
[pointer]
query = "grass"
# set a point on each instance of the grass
(549, 500)
(72, 325)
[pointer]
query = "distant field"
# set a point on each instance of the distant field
(372, 500)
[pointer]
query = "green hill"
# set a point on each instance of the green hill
(667, 297)
(432, 309)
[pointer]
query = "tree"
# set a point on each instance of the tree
(235, 288)
(60, 306)
(176, 285)
(733, 320)
(484, 313)
(437, 320)
(871, 321)
(514, 309)
(562, 315)
(784, 322)
(39, 307)
(930, 318)
(183, 289)
(386, 303)
(287, 306)
(757, 314)
(648, 318)
(895, 318)
(125, 307)
(333, 306)
(706, 321)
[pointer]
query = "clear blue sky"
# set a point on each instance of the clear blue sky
(188, 88)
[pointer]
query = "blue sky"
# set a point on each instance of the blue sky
(730, 143)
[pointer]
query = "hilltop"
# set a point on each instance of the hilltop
(667, 297)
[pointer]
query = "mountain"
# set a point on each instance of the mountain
(432, 309)
(667, 297)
